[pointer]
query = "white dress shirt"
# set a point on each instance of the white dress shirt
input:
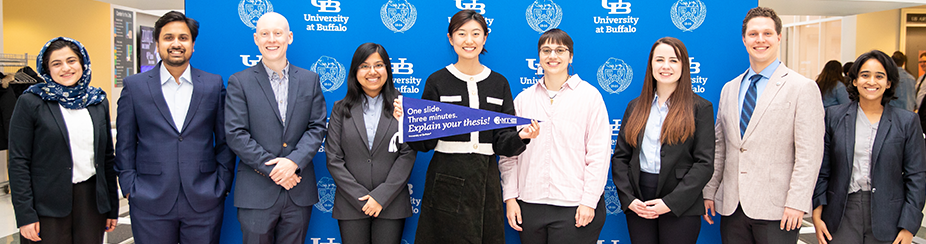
(80, 136)
(177, 95)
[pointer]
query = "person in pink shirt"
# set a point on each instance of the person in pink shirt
(553, 189)
(665, 153)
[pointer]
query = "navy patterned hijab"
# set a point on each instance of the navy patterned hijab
(78, 96)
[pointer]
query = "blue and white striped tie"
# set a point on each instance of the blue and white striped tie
(749, 103)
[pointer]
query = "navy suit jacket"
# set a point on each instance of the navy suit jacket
(155, 160)
(257, 134)
(898, 170)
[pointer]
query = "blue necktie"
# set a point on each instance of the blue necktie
(749, 103)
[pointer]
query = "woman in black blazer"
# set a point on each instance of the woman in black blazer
(371, 173)
(61, 152)
(665, 153)
(872, 182)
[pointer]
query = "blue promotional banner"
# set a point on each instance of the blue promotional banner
(612, 40)
(424, 119)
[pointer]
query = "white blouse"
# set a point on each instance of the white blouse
(80, 135)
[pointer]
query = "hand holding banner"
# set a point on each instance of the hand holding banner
(424, 119)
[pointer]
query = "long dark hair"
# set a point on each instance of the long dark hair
(831, 74)
(889, 67)
(355, 93)
(680, 122)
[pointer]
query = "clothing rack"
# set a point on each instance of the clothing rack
(11, 62)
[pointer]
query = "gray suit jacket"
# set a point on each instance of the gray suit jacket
(359, 171)
(257, 134)
(775, 164)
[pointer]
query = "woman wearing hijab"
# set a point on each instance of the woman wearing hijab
(61, 152)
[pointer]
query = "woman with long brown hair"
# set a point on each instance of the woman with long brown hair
(665, 153)
(831, 87)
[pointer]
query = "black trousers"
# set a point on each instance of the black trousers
(740, 229)
(371, 231)
(544, 223)
(83, 225)
(667, 228)
(284, 222)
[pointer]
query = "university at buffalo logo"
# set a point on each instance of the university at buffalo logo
(330, 72)
(614, 75)
(688, 15)
(611, 203)
(326, 189)
(250, 10)
(398, 15)
(543, 15)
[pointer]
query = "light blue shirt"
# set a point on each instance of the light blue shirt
(650, 147)
(177, 95)
(280, 86)
(760, 85)
(372, 109)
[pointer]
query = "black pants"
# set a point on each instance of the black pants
(544, 223)
(371, 231)
(83, 225)
(284, 222)
(665, 229)
(740, 229)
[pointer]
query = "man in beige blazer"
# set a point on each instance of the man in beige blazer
(769, 143)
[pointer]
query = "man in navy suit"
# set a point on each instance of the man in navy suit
(275, 121)
(173, 163)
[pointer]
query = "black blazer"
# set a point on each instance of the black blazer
(898, 170)
(358, 171)
(41, 165)
(686, 167)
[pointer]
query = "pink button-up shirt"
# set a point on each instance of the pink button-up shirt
(567, 164)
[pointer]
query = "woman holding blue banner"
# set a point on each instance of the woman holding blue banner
(462, 199)
(553, 190)
(372, 199)
(665, 153)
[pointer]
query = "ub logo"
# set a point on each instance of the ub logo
(534, 65)
(611, 203)
(403, 68)
(250, 10)
(327, 6)
(688, 15)
(614, 75)
(543, 15)
(478, 7)
(398, 15)
(326, 189)
(330, 72)
(614, 7)
(246, 60)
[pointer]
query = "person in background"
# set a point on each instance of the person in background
(845, 73)
(665, 154)
(769, 143)
(553, 190)
(872, 183)
(372, 198)
(920, 92)
(905, 89)
(462, 200)
(830, 83)
(62, 180)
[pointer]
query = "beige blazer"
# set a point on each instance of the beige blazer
(775, 164)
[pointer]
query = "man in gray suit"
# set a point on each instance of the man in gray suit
(275, 123)
(769, 143)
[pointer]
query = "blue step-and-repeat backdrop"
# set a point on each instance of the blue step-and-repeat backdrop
(612, 42)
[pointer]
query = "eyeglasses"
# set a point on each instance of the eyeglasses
(378, 66)
(558, 51)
